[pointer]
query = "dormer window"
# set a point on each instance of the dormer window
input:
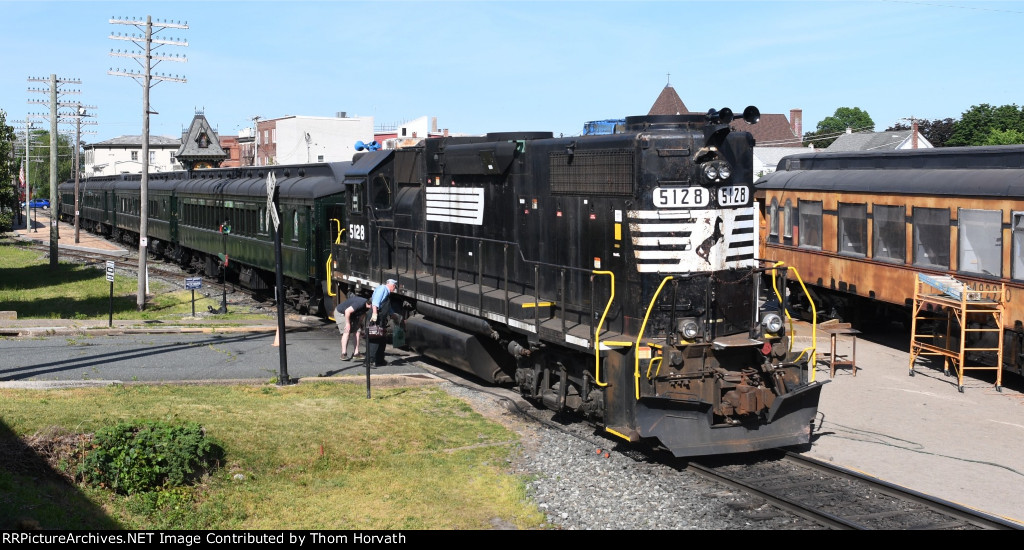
(203, 141)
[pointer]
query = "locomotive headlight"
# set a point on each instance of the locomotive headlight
(772, 322)
(724, 171)
(717, 171)
(711, 171)
(688, 328)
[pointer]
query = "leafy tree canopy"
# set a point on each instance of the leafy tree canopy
(1004, 137)
(834, 126)
(8, 194)
(977, 124)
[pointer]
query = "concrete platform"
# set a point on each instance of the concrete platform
(919, 431)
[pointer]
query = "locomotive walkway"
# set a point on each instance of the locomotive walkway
(915, 431)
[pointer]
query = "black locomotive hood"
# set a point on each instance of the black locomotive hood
(365, 163)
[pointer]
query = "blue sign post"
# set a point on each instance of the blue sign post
(192, 283)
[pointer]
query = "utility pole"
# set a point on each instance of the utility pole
(146, 78)
(256, 141)
(80, 113)
(54, 92)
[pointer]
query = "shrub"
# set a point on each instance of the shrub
(146, 456)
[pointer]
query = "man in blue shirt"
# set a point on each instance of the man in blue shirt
(381, 295)
(380, 301)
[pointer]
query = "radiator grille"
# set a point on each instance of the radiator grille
(592, 173)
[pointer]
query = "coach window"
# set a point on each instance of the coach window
(773, 221)
(787, 223)
(931, 237)
(853, 229)
(980, 249)
(809, 213)
(1017, 219)
(889, 237)
(295, 225)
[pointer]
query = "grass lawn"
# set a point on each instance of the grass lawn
(309, 456)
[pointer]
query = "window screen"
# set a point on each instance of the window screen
(853, 229)
(981, 242)
(889, 237)
(773, 222)
(810, 223)
(787, 220)
(931, 237)
(1018, 245)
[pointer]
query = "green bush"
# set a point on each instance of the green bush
(146, 456)
(6, 221)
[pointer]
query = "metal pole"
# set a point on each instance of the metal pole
(256, 141)
(28, 181)
(54, 235)
(111, 322)
(224, 269)
(282, 378)
(366, 360)
(78, 148)
(144, 184)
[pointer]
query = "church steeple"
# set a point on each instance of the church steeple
(668, 102)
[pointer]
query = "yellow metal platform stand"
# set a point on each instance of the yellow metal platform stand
(962, 304)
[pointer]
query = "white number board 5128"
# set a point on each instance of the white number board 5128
(733, 195)
(681, 197)
(696, 197)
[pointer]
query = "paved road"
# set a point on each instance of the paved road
(183, 356)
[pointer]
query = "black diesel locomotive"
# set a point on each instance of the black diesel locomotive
(610, 275)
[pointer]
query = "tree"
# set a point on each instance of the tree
(1004, 137)
(8, 180)
(39, 161)
(976, 124)
(834, 126)
(936, 131)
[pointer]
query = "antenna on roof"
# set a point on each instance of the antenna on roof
(668, 80)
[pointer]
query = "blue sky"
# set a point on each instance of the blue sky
(491, 66)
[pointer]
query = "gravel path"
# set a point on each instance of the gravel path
(583, 480)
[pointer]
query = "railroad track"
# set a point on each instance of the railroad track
(844, 499)
(815, 491)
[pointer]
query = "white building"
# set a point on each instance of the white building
(308, 139)
(123, 155)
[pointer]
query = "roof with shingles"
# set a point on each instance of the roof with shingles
(200, 142)
(668, 103)
(134, 141)
(874, 141)
(770, 131)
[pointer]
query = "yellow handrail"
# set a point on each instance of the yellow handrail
(636, 352)
(330, 284)
(814, 319)
(597, 331)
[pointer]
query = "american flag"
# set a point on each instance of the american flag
(21, 176)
